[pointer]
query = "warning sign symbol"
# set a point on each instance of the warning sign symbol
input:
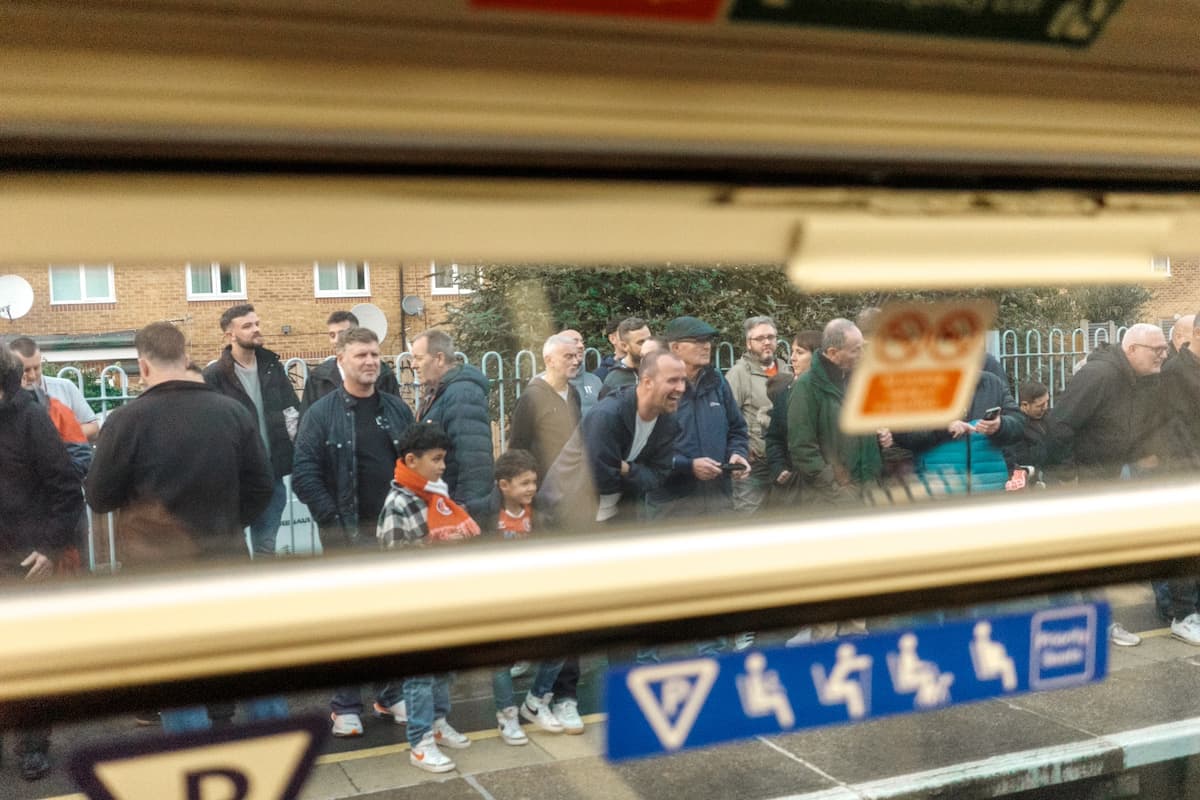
(920, 368)
(672, 695)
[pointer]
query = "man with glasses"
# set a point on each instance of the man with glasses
(748, 382)
(712, 443)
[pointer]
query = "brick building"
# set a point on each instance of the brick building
(88, 312)
(1177, 295)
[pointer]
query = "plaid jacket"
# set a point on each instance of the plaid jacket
(404, 520)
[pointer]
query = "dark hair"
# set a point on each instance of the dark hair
(338, 317)
(777, 383)
(11, 370)
(233, 313)
(809, 340)
(356, 336)
(422, 437)
(23, 345)
(512, 463)
(1032, 390)
(161, 343)
(629, 325)
(611, 326)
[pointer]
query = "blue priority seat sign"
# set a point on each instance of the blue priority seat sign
(663, 708)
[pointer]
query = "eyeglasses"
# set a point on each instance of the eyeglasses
(764, 338)
(1159, 350)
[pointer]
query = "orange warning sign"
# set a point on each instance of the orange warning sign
(920, 369)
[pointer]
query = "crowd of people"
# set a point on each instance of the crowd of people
(655, 432)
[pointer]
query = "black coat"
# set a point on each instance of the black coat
(1108, 417)
(325, 474)
(460, 405)
(325, 377)
(543, 421)
(1180, 382)
(277, 394)
(186, 469)
(40, 497)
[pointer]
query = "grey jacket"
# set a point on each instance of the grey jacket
(748, 380)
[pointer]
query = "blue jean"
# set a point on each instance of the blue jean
(543, 682)
(348, 699)
(195, 718)
(705, 648)
(427, 697)
(264, 529)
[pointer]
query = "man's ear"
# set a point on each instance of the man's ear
(144, 368)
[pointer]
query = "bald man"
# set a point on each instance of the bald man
(1182, 332)
(1109, 415)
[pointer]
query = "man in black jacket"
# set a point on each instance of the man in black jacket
(456, 397)
(548, 411)
(347, 447)
(1030, 450)
(326, 376)
(254, 376)
(40, 503)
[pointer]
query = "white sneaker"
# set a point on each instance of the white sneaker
(1121, 637)
(743, 641)
(510, 727)
(396, 713)
(445, 735)
(567, 712)
(428, 757)
(1187, 629)
(518, 669)
(537, 710)
(346, 725)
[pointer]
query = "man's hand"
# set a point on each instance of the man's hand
(988, 427)
(885, 438)
(705, 469)
(624, 467)
(741, 474)
(784, 477)
(40, 567)
(958, 428)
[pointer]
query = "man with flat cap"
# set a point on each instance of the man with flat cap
(712, 430)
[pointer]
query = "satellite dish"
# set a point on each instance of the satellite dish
(16, 296)
(371, 316)
(412, 305)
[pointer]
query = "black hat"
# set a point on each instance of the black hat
(688, 328)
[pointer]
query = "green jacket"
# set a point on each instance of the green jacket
(824, 455)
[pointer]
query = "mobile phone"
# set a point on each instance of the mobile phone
(992, 413)
(732, 467)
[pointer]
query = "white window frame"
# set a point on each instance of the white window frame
(342, 291)
(455, 289)
(112, 289)
(215, 272)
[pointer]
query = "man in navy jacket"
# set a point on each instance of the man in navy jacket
(712, 430)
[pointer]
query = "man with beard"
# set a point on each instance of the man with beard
(548, 411)
(748, 381)
(836, 465)
(632, 333)
(255, 377)
(712, 432)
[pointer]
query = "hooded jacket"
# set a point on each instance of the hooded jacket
(543, 421)
(710, 425)
(460, 405)
(185, 468)
(40, 497)
(277, 394)
(826, 457)
(325, 377)
(1105, 419)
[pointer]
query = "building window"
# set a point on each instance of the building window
(81, 283)
(342, 279)
(214, 281)
(447, 278)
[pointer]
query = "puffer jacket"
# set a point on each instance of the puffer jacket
(460, 405)
(277, 394)
(325, 474)
(748, 382)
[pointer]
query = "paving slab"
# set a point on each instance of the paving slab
(580, 779)
(445, 789)
(327, 782)
(920, 742)
(588, 744)
(386, 771)
(1132, 698)
(490, 754)
(1120, 658)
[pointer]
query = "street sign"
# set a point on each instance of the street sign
(919, 369)
(664, 708)
(1068, 22)
(262, 761)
